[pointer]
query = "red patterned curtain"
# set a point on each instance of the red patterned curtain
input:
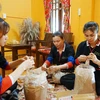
(66, 6)
(48, 7)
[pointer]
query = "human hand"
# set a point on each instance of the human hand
(92, 57)
(52, 69)
(27, 57)
(29, 63)
(82, 58)
(43, 67)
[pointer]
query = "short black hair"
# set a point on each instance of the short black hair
(92, 26)
(58, 33)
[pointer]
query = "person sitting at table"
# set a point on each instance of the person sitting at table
(9, 82)
(61, 57)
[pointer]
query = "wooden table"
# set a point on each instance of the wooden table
(14, 49)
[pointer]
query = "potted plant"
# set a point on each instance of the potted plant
(29, 31)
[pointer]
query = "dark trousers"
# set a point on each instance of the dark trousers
(13, 87)
(97, 81)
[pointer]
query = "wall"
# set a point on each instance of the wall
(97, 12)
(19, 9)
(39, 15)
(16, 11)
(77, 22)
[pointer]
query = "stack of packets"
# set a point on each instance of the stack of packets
(59, 92)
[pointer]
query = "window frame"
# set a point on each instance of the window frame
(53, 26)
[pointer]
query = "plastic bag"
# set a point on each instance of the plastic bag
(56, 76)
(35, 85)
(84, 78)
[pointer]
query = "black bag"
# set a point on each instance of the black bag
(68, 80)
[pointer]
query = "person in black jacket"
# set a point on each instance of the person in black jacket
(61, 57)
(90, 50)
(8, 82)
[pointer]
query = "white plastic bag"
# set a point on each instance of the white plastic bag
(56, 76)
(84, 78)
(35, 85)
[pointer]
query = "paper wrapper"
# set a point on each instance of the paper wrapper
(35, 85)
(35, 93)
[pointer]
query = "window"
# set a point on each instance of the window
(57, 15)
